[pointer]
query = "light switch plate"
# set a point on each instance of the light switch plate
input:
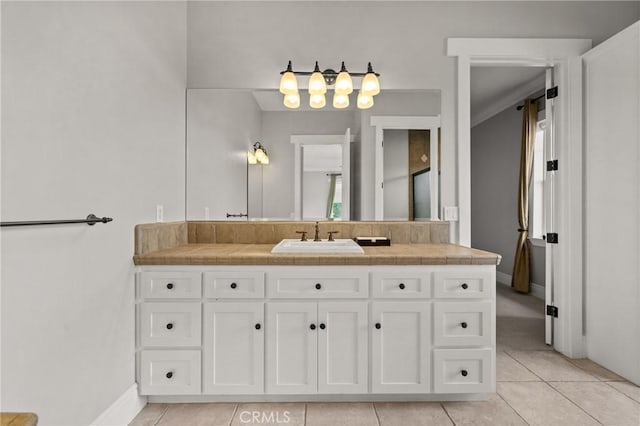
(159, 213)
(451, 213)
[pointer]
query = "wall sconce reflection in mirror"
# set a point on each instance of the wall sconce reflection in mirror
(258, 156)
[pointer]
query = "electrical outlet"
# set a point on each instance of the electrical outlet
(159, 213)
(206, 213)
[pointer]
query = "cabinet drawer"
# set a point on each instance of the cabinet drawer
(170, 372)
(462, 323)
(463, 284)
(293, 285)
(463, 370)
(171, 285)
(170, 324)
(401, 285)
(234, 285)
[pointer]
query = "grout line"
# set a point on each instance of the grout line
(514, 410)
(527, 368)
(447, 413)
(235, 410)
(304, 418)
(373, 404)
(618, 390)
(574, 403)
(166, 408)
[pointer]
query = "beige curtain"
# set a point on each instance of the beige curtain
(521, 278)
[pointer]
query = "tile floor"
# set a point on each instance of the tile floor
(536, 386)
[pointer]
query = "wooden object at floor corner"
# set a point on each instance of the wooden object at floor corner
(18, 419)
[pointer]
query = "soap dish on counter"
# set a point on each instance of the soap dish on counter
(373, 241)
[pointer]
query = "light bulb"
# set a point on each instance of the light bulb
(251, 159)
(344, 85)
(340, 100)
(364, 101)
(292, 100)
(317, 85)
(317, 101)
(370, 84)
(261, 156)
(288, 83)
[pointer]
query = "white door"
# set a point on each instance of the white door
(342, 347)
(400, 338)
(612, 203)
(292, 347)
(233, 358)
(549, 209)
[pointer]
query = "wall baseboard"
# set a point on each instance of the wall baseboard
(123, 410)
(537, 290)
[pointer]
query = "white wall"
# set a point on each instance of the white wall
(92, 122)
(396, 174)
(404, 41)
(221, 126)
(315, 192)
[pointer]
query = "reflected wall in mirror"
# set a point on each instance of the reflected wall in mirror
(223, 124)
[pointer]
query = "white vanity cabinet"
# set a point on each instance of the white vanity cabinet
(316, 347)
(330, 332)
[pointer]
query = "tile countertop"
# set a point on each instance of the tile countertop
(260, 254)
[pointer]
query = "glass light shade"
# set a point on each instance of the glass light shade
(317, 85)
(266, 160)
(343, 84)
(292, 100)
(261, 156)
(288, 83)
(317, 101)
(370, 84)
(340, 100)
(364, 101)
(251, 159)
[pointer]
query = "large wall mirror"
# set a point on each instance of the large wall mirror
(322, 163)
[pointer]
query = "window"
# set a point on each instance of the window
(536, 206)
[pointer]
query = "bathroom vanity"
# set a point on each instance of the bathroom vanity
(232, 321)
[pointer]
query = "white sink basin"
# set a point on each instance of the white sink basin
(324, 246)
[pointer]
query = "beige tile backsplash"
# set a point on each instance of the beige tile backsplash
(158, 236)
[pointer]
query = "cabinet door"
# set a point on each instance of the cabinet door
(233, 348)
(342, 347)
(400, 342)
(292, 347)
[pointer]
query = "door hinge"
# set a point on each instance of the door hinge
(552, 165)
(552, 311)
(382, 185)
(552, 238)
(552, 93)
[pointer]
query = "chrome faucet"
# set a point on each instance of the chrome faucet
(316, 237)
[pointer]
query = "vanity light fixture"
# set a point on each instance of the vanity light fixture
(258, 156)
(320, 80)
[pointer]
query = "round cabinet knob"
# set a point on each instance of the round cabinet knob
(169, 326)
(463, 324)
(318, 286)
(378, 325)
(464, 373)
(170, 286)
(312, 326)
(322, 326)
(258, 326)
(402, 286)
(465, 286)
(234, 285)
(169, 374)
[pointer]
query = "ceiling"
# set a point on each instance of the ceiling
(495, 88)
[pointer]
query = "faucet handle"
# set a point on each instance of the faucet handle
(331, 234)
(304, 235)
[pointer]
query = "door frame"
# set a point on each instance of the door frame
(564, 55)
